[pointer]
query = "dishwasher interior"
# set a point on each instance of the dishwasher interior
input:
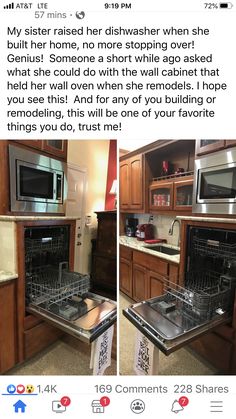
(57, 295)
(201, 300)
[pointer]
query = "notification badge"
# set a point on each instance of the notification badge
(178, 405)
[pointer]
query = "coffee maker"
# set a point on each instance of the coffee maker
(145, 232)
(131, 226)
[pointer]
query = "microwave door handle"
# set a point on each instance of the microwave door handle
(59, 186)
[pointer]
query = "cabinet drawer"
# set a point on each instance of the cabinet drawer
(126, 252)
(151, 262)
(211, 347)
(38, 338)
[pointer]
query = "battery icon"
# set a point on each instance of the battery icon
(226, 5)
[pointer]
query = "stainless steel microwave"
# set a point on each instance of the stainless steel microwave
(37, 183)
(215, 183)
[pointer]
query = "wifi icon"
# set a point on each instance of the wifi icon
(9, 6)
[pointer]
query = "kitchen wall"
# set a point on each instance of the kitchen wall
(111, 175)
(161, 227)
(93, 155)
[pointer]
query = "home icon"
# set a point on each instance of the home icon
(97, 407)
(19, 406)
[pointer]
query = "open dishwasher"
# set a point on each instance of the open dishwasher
(57, 295)
(200, 301)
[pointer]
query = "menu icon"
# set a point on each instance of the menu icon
(216, 406)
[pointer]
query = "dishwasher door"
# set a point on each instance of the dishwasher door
(97, 315)
(173, 330)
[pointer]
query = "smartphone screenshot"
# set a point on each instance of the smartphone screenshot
(117, 209)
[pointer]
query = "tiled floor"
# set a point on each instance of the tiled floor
(65, 357)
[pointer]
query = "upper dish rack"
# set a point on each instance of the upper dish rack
(44, 244)
(214, 248)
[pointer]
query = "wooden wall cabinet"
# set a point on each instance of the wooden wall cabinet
(8, 326)
(210, 146)
(57, 148)
(173, 195)
(131, 184)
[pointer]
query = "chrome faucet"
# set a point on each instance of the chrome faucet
(172, 228)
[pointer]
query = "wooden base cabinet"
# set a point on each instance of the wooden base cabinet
(126, 281)
(8, 340)
(142, 275)
(104, 255)
(156, 284)
(140, 283)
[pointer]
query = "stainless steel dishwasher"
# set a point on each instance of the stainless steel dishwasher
(57, 295)
(202, 300)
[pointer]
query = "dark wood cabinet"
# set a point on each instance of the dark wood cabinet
(171, 195)
(8, 335)
(104, 254)
(131, 184)
(217, 347)
(156, 284)
(208, 146)
(126, 271)
(142, 275)
(32, 333)
(126, 276)
(140, 283)
(56, 148)
(31, 143)
(230, 143)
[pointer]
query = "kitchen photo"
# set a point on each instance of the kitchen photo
(58, 285)
(177, 257)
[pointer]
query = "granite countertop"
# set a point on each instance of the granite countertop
(133, 243)
(207, 219)
(7, 276)
(34, 218)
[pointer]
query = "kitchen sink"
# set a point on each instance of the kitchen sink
(164, 249)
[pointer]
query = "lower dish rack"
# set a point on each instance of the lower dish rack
(51, 285)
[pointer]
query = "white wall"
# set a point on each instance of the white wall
(8, 251)
(93, 155)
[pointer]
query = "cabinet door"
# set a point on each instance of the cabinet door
(156, 283)
(126, 276)
(183, 195)
(136, 182)
(8, 342)
(56, 147)
(140, 283)
(208, 146)
(161, 196)
(31, 143)
(124, 185)
(230, 143)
